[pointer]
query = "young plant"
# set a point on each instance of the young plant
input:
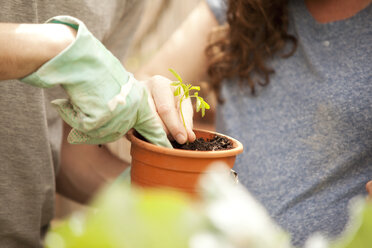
(184, 91)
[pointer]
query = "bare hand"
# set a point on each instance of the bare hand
(166, 107)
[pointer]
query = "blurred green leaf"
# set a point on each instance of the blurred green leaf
(133, 218)
(359, 230)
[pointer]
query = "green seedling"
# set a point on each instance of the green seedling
(183, 90)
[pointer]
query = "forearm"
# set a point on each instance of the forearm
(25, 47)
(185, 49)
(85, 168)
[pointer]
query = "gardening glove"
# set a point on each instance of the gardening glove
(105, 100)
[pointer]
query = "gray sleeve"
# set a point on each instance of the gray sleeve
(219, 8)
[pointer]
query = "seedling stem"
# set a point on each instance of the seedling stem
(184, 91)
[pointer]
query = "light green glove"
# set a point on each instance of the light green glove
(105, 100)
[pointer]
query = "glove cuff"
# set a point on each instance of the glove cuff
(79, 64)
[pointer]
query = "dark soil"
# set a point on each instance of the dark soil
(215, 144)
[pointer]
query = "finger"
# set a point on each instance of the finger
(163, 97)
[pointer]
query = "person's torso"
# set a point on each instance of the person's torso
(308, 134)
(30, 129)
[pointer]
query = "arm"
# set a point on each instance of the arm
(25, 47)
(84, 169)
(184, 51)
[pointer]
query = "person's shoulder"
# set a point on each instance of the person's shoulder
(218, 8)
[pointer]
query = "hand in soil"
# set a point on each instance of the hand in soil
(166, 108)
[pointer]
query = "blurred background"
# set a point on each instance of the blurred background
(160, 20)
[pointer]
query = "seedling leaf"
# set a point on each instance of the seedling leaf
(206, 105)
(175, 74)
(177, 91)
(184, 87)
(200, 103)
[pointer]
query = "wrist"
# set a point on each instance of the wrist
(60, 36)
(56, 38)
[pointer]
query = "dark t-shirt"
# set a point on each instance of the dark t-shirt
(308, 134)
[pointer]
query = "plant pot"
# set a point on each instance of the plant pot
(155, 166)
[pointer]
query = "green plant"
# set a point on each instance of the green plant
(183, 90)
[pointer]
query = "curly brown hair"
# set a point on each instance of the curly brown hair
(255, 31)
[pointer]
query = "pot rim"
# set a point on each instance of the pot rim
(237, 147)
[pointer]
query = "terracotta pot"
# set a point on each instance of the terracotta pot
(155, 166)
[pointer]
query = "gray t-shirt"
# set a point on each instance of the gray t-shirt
(308, 134)
(30, 129)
